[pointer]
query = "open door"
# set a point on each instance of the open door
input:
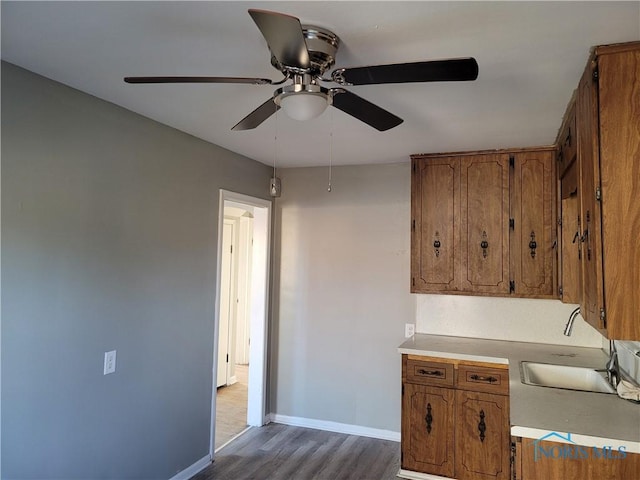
(257, 299)
(227, 284)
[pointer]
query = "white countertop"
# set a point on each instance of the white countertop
(592, 419)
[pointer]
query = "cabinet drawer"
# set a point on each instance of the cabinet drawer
(482, 379)
(429, 373)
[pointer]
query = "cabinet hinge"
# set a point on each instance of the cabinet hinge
(595, 74)
(512, 286)
(512, 223)
(603, 318)
(560, 291)
(598, 193)
(413, 225)
(512, 161)
(413, 281)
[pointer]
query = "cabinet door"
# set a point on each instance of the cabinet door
(427, 429)
(484, 192)
(567, 139)
(482, 436)
(576, 462)
(592, 302)
(571, 255)
(435, 234)
(619, 101)
(533, 240)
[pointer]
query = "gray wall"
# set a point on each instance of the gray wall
(341, 274)
(109, 232)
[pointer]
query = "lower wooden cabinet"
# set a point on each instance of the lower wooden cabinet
(427, 435)
(541, 459)
(482, 436)
(455, 419)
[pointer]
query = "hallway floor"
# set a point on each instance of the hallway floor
(231, 407)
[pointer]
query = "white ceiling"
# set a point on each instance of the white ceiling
(530, 55)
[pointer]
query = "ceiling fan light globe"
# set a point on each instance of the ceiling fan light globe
(304, 105)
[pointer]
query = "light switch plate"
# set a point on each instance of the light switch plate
(109, 362)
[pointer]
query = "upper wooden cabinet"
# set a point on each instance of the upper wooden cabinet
(484, 223)
(608, 125)
(567, 140)
(435, 235)
(569, 270)
(533, 236)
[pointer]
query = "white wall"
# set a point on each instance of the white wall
(515, 319)
(341, 268)
(342, 272)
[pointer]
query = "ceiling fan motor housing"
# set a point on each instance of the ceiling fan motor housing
(322, 45)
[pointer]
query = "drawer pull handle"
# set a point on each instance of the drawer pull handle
(433, 373)
(480, 378)
(429, 418)
(482, 427)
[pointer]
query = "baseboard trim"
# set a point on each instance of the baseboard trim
(231, 439)
(197, 467)
(419, 476)
(336, 427)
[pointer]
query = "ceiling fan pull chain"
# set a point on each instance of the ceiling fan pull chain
(330, 147)
(275, 144)
(275, 187)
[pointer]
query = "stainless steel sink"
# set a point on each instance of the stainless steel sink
(565, 377)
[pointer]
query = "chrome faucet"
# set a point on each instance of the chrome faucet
(569, 326)
(613, 369)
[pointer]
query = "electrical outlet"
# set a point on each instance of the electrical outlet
(109, 362)
(409, 329)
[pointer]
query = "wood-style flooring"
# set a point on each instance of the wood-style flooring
(281, 452)
(231, 407)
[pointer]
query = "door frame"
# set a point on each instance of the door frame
(260, 293)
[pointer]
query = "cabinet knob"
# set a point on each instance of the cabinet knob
(484, 244)
(533, 245)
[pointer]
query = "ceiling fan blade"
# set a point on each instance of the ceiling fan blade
(284, 36)
(364, 110)
(252, 81)
(452, 70)
(258, 116)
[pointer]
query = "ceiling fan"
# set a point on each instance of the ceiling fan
(303, 53)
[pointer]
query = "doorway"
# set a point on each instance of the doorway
(239, 368)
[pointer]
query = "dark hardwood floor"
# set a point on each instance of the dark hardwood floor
(281, 452)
